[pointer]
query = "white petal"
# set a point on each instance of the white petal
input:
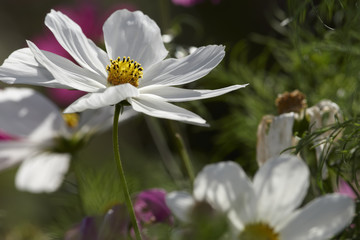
(73, 40)
(156, 107)
(25, 112)
(280, 185)
(99, 120)
(173, 94)
(66, 72)
(172, 72)
(42, 173)
(274, 135)
(21, 67)
(134, 35)
(180, 204)
(13, 152)
(242, 211)
(95, 120)
(320, 219)
(220, 184)
(48, 129)
(103, 98)
(323, 114)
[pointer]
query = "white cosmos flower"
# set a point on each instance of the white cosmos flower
(275, 134)
(40, 139)
(267, 207)
(148, 88)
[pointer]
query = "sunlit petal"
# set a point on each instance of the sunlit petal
(42, 173)
(21, 67)
(221, 184)
(180, 204)
(320, 219)
(103, 98)
(67, 72)
(24, 112)
(173, 94)
(134, 35)
(172, 72)
(156, 107)
(280, 185)
(73, 40)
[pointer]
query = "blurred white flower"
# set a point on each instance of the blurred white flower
(277, 133)
(40, 139)
(208, 189)
(274, 135)
(323, 114)
(110, 78)
(268, 206)
(167, 38)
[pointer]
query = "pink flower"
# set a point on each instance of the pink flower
(6, 137)
(64, 97)
(190, 3)
(150, 207)
(345, 189)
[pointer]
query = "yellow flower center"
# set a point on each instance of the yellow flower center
(71, 119)
(124, 71)
(258, 231)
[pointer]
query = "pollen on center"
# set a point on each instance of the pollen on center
(71, 119)
(124, 70)
(258, 231)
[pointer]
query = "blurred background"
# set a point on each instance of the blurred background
(274, 45)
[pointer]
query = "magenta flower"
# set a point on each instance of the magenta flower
(150, 207)
(114, 225)
(64, 97)
(84, 230)
(190, 3)
(345, 189)
(6, 137)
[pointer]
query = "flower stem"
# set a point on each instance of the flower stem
(75, 167)
(129, 205)
(184, 154)
(167, 158)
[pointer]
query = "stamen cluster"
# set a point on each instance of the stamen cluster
(124, 71)
(71, 119)
(258, 231)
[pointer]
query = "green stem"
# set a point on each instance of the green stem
(77, 174)
(185, 157)
(161, 144)
(184, 154)
(124, 186)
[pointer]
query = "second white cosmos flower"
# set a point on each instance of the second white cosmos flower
(34, 134)
(266, 208)
(133, 69)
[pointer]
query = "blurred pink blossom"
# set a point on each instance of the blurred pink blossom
(190, 3)
(345, 189)
(150, 207)
(5, 137)
(64, 97)
(84, 14)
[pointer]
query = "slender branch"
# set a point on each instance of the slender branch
(185, 157)
(77, 174)
(167, 158)
(124, 186)
(184, 154)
